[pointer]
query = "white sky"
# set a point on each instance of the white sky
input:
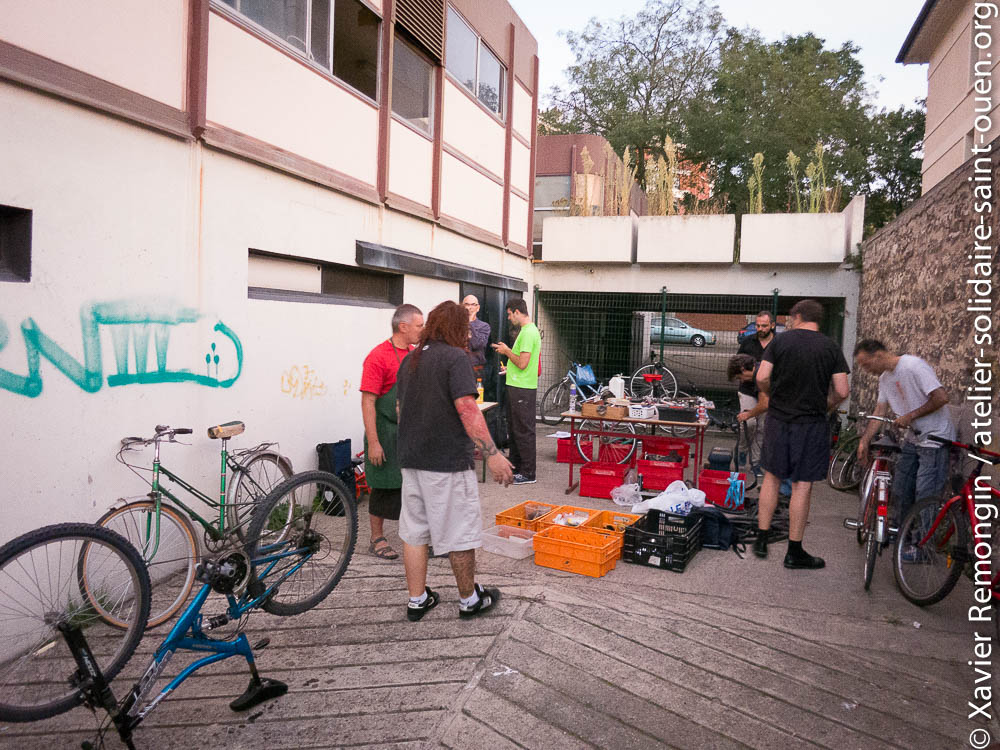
(877, 26)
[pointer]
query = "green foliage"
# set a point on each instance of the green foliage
(894, 164)
(793, 171)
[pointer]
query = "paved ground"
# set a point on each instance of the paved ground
(731, 653)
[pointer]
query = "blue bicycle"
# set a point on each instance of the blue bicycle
(58, 585)
(556, 398)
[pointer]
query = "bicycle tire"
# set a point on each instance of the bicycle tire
(864, 500)
(250, 484)
(554, 403)
(173, 563)
(32, 644)
(941, 559)
(616, 450)
(665, 388)
(871, 549)
(298, 582)
(845, 455)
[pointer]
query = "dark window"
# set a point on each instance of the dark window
(279, 277)
(15, 244)
(472, 63)
(412, 86)
(355, 46)
(362, 284)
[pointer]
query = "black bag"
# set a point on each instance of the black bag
(335, 458)
(719, 531)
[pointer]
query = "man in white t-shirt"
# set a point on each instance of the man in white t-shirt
(908, 386)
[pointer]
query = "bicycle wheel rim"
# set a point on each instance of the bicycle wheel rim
(297, 569)
(39, 589)
(637, 385)
(250, 485)
(871, 550)
(927, 567)
(617, 450)
(554, 403)
(171, 562)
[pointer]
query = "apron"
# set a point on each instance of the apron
(387, 476)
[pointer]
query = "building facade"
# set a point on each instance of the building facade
(210, 209)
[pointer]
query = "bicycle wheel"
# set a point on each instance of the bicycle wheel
(250, 484)
(298, 566)
(171, 561)
(615, 450)
(40, 590)
(554, 403)
(639, 387)
(871, 540)
(927, 565)
(845, 472)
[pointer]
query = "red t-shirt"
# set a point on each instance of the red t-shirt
(378, 374)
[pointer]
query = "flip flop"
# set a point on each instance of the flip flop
(386, 552)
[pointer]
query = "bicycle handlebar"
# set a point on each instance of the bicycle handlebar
(988, 456)
(162, 432)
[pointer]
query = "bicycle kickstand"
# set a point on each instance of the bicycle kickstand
(260, 689)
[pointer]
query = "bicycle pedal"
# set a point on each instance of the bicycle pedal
(262, 644)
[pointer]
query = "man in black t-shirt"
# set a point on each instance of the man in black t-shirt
(804, 374)
(439, 425)
(764, 335)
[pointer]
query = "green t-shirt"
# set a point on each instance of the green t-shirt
(528, 340)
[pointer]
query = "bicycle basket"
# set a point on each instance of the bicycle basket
(585, 375)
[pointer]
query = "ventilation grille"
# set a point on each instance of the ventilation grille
(424, 21)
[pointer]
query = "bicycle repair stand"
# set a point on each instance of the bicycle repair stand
(186, 634)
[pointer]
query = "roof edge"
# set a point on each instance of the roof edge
(915, 30)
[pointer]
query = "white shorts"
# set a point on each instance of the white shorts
(441, 508)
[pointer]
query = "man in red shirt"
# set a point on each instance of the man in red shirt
(378, 410)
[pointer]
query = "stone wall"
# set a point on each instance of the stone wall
(914, 291)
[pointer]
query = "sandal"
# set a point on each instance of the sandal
(386, 552)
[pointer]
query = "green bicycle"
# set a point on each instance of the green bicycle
(162, 527)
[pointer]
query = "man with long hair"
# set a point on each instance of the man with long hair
(439, 425)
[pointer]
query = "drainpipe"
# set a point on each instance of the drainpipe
(663, 318)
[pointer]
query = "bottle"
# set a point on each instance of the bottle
(479, 390)
(702, 414)
(572, 396)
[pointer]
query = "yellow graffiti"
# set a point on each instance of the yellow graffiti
(302, 383)
(347, 386)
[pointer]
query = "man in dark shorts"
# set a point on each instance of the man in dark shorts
(804, 374)
(439, 425)
(378, 411)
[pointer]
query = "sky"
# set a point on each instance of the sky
(879, 27)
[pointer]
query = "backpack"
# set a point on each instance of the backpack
(719, 531)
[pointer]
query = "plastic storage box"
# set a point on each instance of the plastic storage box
(663, 540)
(526, 515)
(667, 449)
(566, 452)
(576, 550)
(575, 516)
(715, 485)
(657, 475)
(508, 541)
(598, 479)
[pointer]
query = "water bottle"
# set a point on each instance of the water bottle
(572, 396)
(479, 390)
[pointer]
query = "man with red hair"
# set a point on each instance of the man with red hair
(439, 425)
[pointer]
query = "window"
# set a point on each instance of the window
(15, 244)
(472, 63)
(552, 192)
(283, 278)
(412, 86)
(343, 40)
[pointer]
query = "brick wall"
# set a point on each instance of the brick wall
(914, 292)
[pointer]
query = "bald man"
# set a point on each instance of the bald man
(480, 335)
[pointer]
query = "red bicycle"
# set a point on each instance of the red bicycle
(937, 542)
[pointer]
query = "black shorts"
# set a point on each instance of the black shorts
(385, 503)
(799, 452)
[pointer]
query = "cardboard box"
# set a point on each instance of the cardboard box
(599, 410)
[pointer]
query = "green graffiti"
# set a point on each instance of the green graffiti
(131, 323)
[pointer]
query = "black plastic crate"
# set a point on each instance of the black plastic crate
(663, 540)
(657, 556)
(661, 522)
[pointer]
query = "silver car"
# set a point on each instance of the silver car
(676, 331)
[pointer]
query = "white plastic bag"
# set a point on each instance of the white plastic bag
(677, 498)
(626, 494)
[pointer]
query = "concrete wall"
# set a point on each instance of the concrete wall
(675, 239)
(588, 239)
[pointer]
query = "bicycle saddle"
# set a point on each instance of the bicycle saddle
(886, 443)
(227, 430)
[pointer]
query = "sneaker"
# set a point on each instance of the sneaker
(805, 561)
(760, 544)
(522, 479)
(415, 611)
(487, 598)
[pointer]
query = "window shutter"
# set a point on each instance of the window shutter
(424, 20)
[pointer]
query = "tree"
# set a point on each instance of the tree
(894, 164)
(634, 78)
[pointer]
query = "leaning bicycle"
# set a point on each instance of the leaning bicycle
(555, 402)
(162, 527)
(59, 651)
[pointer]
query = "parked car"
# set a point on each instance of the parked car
(676, 331)
(751, 330)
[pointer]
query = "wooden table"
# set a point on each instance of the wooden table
(573, 416)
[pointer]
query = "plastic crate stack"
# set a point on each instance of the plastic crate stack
(663, 540)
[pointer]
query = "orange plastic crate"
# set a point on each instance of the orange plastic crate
(518, 515)
(577, 550)
(609, 518)
(549, 520)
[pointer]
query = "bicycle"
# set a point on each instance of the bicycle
(164, 532)
(872, 524)
(655, 380)
(556, 399)
(937, 541)
(845, 471)
(60, 652)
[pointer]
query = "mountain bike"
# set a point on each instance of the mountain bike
(872, 522)
(938, 540)
(59, 651)
(162, 527)
(556, 398)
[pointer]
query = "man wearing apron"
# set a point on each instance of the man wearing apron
(378, 410)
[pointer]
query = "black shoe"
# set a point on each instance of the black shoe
(805, 561)
(487, 598)
(415, 611)
(760, 544)
(522, 479)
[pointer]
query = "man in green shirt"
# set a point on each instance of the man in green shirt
(522, 388)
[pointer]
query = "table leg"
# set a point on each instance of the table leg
(572, 444)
